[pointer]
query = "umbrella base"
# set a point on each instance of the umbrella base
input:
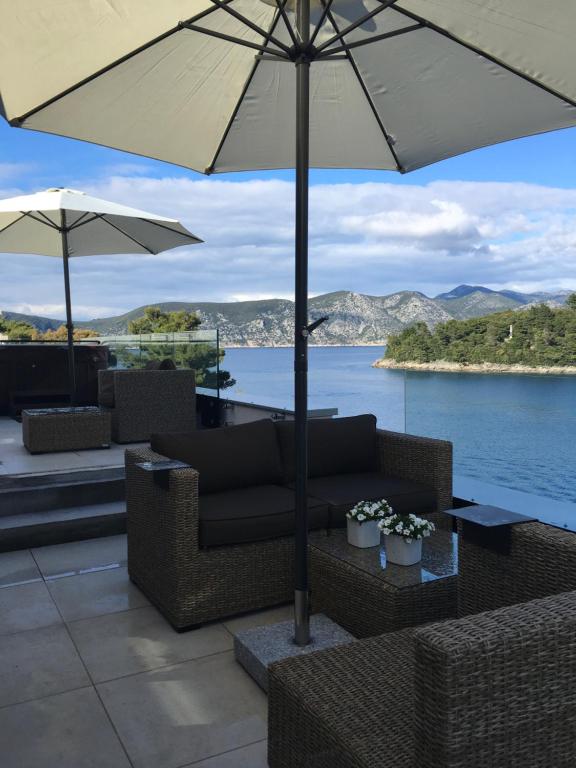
(255, 649)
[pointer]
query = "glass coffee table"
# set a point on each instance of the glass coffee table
(357, 589)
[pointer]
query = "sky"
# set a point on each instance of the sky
(502, 217)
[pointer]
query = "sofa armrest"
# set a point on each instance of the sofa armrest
(163, 522)
(421, 459)
(498, 688)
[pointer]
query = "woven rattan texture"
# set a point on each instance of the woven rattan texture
(47, 433)
(422, 459)
(542, 561)
(350, 707)
(188, 584)
(152, 401)
(495, 690)
(498, 689)
(367, 606)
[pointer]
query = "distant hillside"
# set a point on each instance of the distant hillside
(354, 318)
(467, 301)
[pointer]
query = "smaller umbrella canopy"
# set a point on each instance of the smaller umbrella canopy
(66, 223)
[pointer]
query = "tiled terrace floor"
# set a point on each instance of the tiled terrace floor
(91, 676)
(15, 459)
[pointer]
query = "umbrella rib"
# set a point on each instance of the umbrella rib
(327, 55)
(227, 7)
(174, 231)
(281, 4)
(12, 222)
(119, 229)
(249, 79)
(80, 222)
(366, 92)
(109, 67)
(321, 20)
(484, 54)
(235, 40)
(46, 223)
(358, 23)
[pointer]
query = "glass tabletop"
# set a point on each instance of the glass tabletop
(439, 557)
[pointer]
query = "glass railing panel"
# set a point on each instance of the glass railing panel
(513, 431)
(338, 377)
(198, 350)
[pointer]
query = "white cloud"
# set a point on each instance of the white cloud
(371, 238)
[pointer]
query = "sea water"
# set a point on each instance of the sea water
(508, 430)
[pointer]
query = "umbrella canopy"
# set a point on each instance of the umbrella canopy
(207, 84)
(33, 224)
(66, 223)
(415, 83)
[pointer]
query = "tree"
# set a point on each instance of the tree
(199, 356)
(61, 334)
(571, 301)
(155, 320)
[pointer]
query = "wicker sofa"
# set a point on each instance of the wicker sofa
(145, 401)
(216, 538)
(492, 690)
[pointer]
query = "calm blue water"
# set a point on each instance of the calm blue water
(515, 431)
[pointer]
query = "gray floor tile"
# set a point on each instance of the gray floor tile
(18, 567)
(136, 641)
(95, 594)
(37, 663)
(254, 756)
(269, 616)
(28, 606)
(81, 555)
(69, 730)
(186, 713)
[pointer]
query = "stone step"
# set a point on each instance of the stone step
(29, 494)
(56, 526)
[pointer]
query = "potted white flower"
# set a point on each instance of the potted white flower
(363, 521)
(404, 534)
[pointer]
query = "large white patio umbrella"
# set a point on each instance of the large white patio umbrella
(229, 85)
(66, 223)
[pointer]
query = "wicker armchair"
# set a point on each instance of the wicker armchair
(191, 583)
(494, 690)
(541, 561)
(144, 401)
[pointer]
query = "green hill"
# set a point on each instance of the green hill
(538, 336)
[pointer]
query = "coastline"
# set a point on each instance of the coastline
(444, 366)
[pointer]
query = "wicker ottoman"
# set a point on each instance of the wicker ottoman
(45, 430)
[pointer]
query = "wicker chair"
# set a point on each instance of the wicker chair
(144, 401)
(541, 561)
(190, 584)
(494, 690)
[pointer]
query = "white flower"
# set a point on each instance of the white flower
(361, 517)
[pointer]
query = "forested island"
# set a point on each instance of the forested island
(538, 339)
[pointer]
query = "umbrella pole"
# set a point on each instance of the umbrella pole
(301, 616)
(69, 326)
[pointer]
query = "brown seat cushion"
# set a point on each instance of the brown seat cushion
(342, 492)
(253, 514)
(336, 446)
(228, 457)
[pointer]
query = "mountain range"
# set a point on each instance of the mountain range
(354, 318)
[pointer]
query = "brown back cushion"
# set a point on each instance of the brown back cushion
(228, 457)
(337, 446)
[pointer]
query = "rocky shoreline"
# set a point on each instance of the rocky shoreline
(444, 366)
